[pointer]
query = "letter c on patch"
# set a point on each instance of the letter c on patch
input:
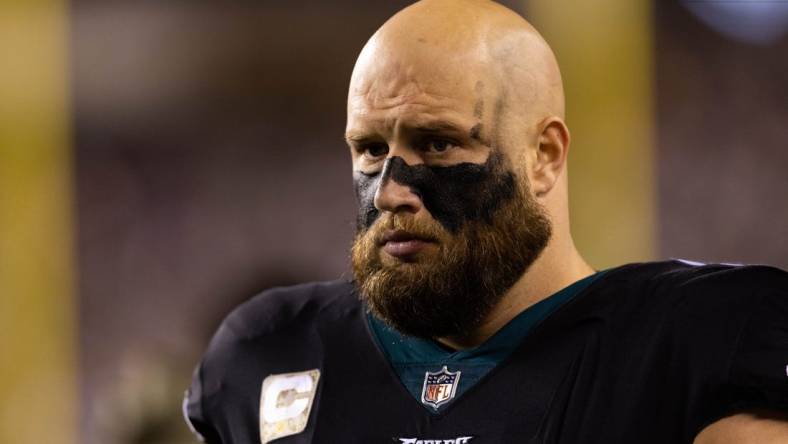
(285, 404)
(273, 411)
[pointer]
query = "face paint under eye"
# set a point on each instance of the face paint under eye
(453, 194)
(365, 186)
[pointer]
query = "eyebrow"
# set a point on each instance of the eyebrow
(357, 137)
(437, 127)
(431, 127)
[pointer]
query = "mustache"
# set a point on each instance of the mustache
(397, 225)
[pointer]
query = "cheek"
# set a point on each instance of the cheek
(469, 192)
(455, 204)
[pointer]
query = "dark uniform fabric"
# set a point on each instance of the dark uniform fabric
(648, 353)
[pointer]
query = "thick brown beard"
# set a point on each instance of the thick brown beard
(451, 290)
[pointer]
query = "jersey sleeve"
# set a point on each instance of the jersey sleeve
(758, 372)
(193, 411)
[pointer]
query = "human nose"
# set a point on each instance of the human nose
(395, 197)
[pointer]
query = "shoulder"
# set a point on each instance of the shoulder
(279, 327)
(280, 324)
(283, 307)
(276, 331)
(678, 295)
(683, 278)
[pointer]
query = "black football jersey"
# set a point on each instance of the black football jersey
(647, 353)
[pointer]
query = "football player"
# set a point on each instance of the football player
(471, 316)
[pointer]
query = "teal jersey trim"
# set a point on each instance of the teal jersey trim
(411, 358)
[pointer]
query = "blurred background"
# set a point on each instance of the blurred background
(161, 162)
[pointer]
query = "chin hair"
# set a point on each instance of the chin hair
(450, 291)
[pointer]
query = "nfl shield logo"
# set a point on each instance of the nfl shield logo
(439, 387)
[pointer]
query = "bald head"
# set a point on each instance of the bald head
(449, 82)
(461, 45)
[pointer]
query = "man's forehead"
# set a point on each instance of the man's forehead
(412, 100)
(381, 86)
(446, 121)
(415, 103)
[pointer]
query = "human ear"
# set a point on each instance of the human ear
(551, 152)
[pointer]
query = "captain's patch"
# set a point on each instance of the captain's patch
(285, 402)
(439, 387)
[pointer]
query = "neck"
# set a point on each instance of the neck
(559, 265)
